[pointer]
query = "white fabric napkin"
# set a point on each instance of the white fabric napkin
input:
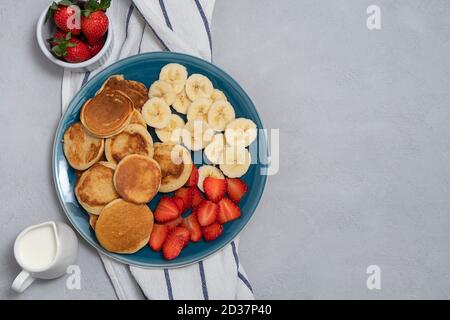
(182, 26)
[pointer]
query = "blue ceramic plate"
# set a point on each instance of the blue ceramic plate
(145, 68)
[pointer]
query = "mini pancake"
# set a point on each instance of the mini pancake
(175, 166)
(137, 178)
(137, 118)
(81, 149)
(124, 227)
(93, 220)
(134, 139)
(137, 91)
(107, 114)
(95, 188)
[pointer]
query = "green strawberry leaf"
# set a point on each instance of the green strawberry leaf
(51, 10)
(65, 3)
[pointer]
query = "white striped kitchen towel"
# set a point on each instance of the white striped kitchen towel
(182, 26)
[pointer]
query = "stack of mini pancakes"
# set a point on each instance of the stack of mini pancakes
(119, 167)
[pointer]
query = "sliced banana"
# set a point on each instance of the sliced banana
(214, 150)
(156, 113)
(197, 134)
(199, 109)
(220, 114)
(174, 74)
(236, 161)
(172, 132)
(163, 90)
(208, 171)
(217, 95)
(182, 102)
(198, 86)
(241, 132)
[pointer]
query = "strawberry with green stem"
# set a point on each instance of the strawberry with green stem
(66, 15)
(70, 49)
(94, 21)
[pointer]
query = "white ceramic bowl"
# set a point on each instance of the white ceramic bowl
(45, 31)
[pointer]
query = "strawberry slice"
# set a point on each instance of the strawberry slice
(183, 233)
(192, 224)
(186, 195)
(166, 210)
(158, 236)
(172, 247)
(212, 231)
(193, 178)
(174, 223)
(215, 189)
(197, 197)
(228, 211)
(207, 213)
(236, 189)
(179, 202)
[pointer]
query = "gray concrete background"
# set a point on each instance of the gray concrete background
(365, 146)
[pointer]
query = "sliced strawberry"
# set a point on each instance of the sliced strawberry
(236, 189)
(228, 211)
(186, 194)
(179, 202)
(172, 246)
(215, 189)
(158, 236)
(166, 210)
(212, 231)
(194, 227)
(183, 233)
(197, 197)
(172, 224)
(193, 179)
(207, 213)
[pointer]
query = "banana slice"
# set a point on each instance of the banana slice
(198, 86)
(182, 102)
(241, 132)
(217, 95)
(174, 74)
(220, 114)
(163, 90)
(199, 110)
(214, 150)
(156, 113)
(236, 161)
(208, 171)
(197, 134)
(171, 133)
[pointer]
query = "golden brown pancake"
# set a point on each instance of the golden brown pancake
(95, 188)
(137, 91)
(134, 139)
(93, 220)
(124, 227)
(136, 118)
(137, 178)
(81, 149)
(175, 166)
(107, 114)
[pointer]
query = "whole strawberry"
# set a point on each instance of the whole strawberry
(71, 49)
(94, 22)
(96, 47)
(66, 15)
(58, 35)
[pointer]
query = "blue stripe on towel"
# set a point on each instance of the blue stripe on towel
(240, 275)
(203, 278)
(169, 284)
(86, 77)
(205, 22)
(164, 11)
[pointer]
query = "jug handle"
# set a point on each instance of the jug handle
(22, 281)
